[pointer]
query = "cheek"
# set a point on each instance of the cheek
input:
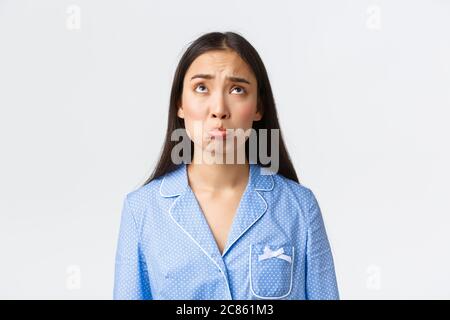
(194, 114)
(194, 120)
(245, 113)
(194, 110)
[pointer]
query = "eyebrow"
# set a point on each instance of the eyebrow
(232, 78)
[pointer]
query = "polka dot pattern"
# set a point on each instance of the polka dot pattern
(277, 247)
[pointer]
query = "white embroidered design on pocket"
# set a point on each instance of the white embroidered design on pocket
(279, 254)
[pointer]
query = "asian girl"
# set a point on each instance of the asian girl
(211, 226)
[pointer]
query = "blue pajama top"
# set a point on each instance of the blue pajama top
(277, 247)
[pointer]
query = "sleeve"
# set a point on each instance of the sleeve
(131, 277)
(321, 281)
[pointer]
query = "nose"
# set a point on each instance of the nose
(220, 115)
(219, 109)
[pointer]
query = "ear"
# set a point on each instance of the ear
(257, 117)
(180, 111)
(259, 113)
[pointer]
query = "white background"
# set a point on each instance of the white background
(363, 95)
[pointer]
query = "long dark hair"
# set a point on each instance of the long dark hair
(266, 103)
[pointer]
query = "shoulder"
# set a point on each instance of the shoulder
(297, 194)
(140, 199)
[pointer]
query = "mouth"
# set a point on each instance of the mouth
(218, 133)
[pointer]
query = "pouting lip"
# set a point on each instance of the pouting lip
(218, 128)
(218, 132)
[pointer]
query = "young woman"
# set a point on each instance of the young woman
(208, 228)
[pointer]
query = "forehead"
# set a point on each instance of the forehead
(214, 62)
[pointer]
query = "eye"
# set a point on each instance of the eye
(240, 90)
(200, 87)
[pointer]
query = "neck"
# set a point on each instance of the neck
(213, 176)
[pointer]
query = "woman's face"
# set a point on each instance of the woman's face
(219, 91)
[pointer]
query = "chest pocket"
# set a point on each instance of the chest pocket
(271, 270)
